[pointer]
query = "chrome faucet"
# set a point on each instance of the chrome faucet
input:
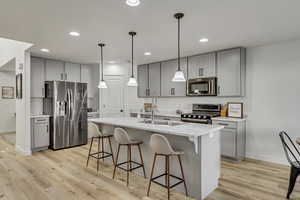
(153, 109)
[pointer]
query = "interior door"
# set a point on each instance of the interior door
(112, 98)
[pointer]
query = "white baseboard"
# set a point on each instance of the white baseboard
(7, 132)
(25, 153)
(268, 159)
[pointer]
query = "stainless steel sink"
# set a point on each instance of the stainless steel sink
(162, 122)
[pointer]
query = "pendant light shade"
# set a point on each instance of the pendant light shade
(102, 83)
(132, 80)
(179, 75)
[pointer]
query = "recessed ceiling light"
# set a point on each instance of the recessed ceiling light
(133, 3)
(73, 33)
(112, 62)
(45, 50)
(147, 53)
(203, 40)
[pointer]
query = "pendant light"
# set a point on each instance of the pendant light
(179, 75)
(102, 83)
(132, 81)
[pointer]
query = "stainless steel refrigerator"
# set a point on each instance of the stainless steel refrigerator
(66, 103)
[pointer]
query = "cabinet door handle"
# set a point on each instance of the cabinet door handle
(223, 124)
(172, 91)
(201, 71)
(47, 128)
(43, 92)
(66, 76)
(148, 92)
(218, 89)
(61, 76)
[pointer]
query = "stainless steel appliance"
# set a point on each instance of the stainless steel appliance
(202, 113)
(202, 86)
(66, 103)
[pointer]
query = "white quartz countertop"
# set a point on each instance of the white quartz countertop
(190, 130)
(229, 119)
(39, 116)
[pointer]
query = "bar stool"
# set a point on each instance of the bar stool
(100, 154)
(161, 146)
(122, 138)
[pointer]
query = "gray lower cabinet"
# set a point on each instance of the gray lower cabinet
(233, 139)
(168, 87)
(55, 70)
(37, 77)
(72, 72)
(143, 80)
(231, 71)
(40, 133)
(203, 65)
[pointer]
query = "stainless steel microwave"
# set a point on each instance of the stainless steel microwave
(202, 87)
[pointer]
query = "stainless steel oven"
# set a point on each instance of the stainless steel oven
(202, 87)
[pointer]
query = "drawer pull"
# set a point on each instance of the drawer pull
(223, 124)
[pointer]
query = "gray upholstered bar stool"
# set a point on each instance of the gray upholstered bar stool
(161, 146)
(93, 129)
(123, 139)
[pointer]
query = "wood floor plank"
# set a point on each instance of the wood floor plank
(51, 175)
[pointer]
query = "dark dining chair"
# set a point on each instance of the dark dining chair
(292, 155)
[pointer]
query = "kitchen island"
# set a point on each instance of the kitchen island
(199, 142)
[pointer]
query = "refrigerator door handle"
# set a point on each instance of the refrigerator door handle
(71, 104)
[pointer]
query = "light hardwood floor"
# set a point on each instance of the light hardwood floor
(61, 175)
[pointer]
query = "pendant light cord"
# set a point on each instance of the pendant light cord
(132, 56)
(178, 44)
(102, 79)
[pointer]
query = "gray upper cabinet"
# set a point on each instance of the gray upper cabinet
(54, 70)
(37, 77)
(143, 81)
(203, 65)
(168, 87)
(231, 72)
(154, 79)
(72, 72)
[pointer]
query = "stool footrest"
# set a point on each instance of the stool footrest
(139, 165)
(95, 155)
(165, 186)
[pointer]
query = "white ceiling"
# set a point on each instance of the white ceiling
(227, 23)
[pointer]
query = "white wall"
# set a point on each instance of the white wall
(23, 135)
(7, 106)
(273, 98)
(8, 49)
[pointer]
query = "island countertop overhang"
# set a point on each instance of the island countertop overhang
(185, 129)
(191, 130)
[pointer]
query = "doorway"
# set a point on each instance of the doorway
(112, 98)
(8, 102)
